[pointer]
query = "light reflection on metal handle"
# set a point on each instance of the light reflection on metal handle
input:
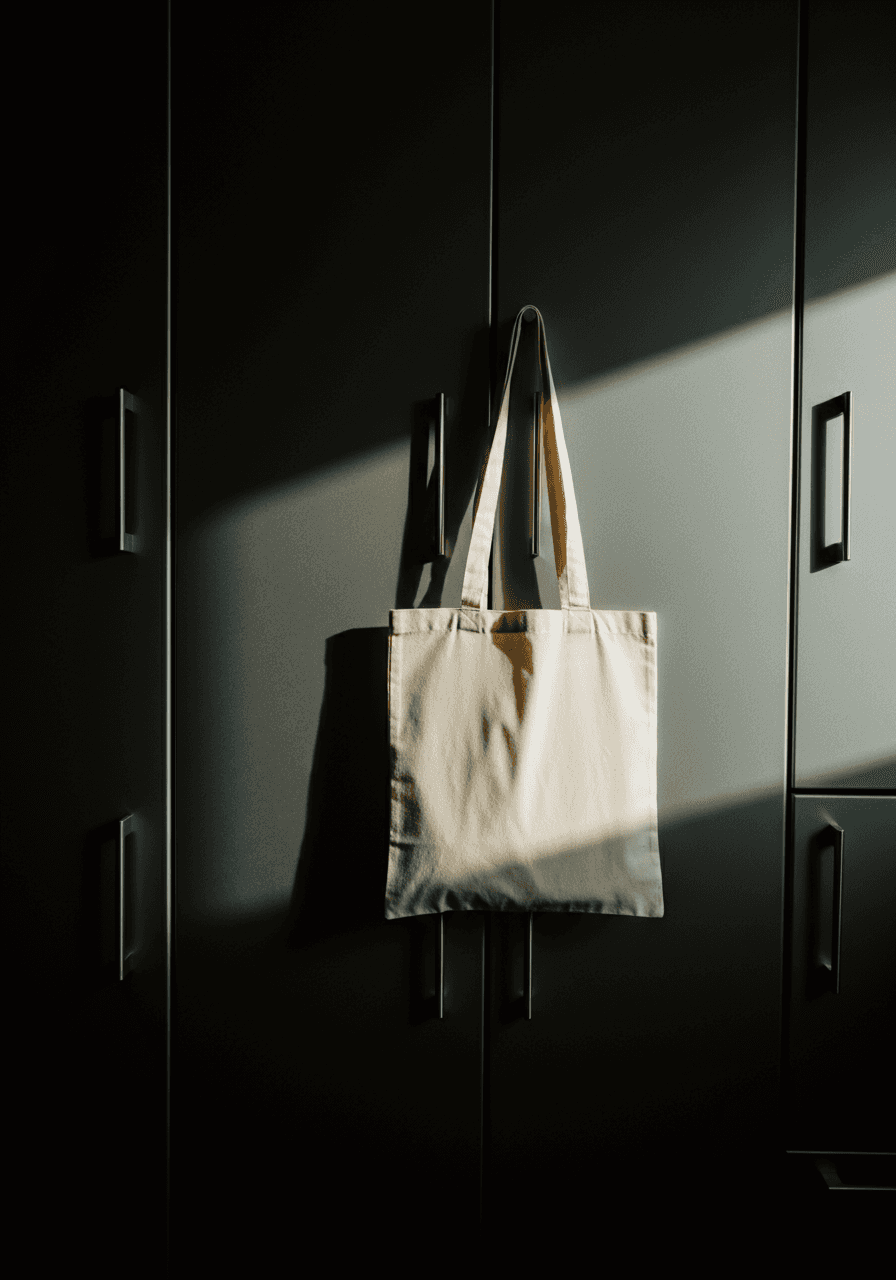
(125, 828)
(439, 533)
(847, 471)
(837, 841)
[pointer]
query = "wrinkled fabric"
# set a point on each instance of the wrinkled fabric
(523, 743)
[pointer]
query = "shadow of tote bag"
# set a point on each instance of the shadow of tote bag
(523, 743)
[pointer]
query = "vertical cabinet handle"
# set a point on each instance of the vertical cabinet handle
(126, 473)
(428, 463)
(838, 406)
(535, 525)
(439, 531)
(440, 964)
(527, 995)
(835, 838)
(125, 828)
(847, 470)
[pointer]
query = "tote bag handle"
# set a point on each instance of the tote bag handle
(569, 555)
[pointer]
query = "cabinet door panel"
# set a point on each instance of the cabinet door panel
(84, 295)
(841, 1061)
(846, 679)
(646, 207)
(333, 239)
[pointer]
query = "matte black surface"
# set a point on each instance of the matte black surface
(84, 312)
(850, 195)
(646, 206)
(332, 177)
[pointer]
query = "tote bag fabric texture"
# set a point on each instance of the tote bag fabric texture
(523, 743)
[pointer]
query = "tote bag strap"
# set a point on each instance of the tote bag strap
(569, 555)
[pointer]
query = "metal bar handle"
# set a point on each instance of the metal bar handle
(527, 996)
(836, 407)
(125, 828)
(837, 841)
(535, 525)
(847, 469)
(126, 404)
(439, 531)
(440, 963)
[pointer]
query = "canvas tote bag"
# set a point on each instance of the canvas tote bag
(523, 743)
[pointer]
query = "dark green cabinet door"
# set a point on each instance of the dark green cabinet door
(645, 195)
(839, 1091)
(84, 301)
(846, 671)
(332, 212)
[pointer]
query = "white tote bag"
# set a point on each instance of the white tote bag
(523, 743)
